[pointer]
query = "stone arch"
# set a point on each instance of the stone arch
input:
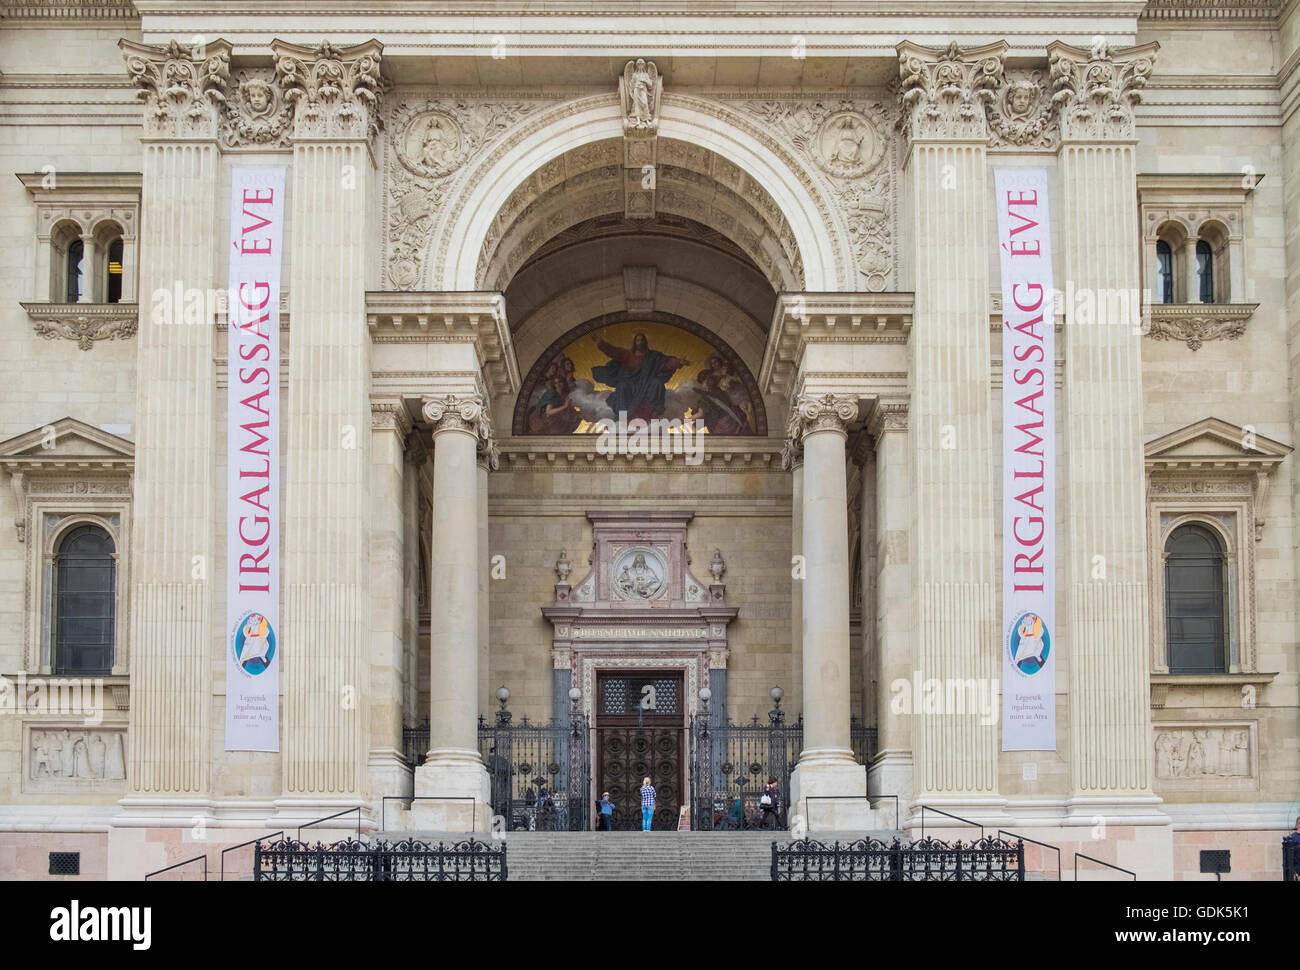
(456, 247)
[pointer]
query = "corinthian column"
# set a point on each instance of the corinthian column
(792, 461)
(453, 772)
(827, 772)
(954, 560)
(326, 642)
(171, 595)
(1107, 646)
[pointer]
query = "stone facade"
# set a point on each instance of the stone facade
(459, 200)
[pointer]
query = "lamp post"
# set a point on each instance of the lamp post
(702, 766)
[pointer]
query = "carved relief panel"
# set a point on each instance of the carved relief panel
(70, 757)
(1207, 755)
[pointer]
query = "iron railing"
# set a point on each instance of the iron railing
(540, 771)
(871, 860)
(1290, 859)
(289, 860)
(731, 765)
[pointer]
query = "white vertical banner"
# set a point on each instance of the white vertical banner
(1028, 462)
(253, 461)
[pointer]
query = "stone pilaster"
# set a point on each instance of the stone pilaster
(828, 787)
(1106, 644)
(792, 461)
(890, 772)
(172, 618)
(453, 772)
(953, 557)
(326, 583)
(390, 427)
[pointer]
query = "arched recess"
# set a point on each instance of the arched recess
(454, 258)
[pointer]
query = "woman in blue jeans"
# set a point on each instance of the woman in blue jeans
(647, 804)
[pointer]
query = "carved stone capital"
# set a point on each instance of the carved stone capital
(944, 90)
(184, 88)
(814, 414)
(887, 418)
(1196, 323)
(489, 455)
(1095, 90)
(334, 91)
(390, 416)
(791, 454)
(456, 412)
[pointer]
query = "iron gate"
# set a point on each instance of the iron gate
(731, 764)
(540, 772)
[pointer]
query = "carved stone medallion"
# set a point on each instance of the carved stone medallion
(848, 145)
(639, 573)
(432, 144)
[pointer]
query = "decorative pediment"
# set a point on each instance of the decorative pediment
(1215, 445)
(66, 445)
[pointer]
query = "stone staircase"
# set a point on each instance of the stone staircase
(640, 856)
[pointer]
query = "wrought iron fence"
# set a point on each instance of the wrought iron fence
(1291, 859)
(871, 860)
(289, 860)
(540, 771)
(731, 765)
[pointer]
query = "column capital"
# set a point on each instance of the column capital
(457, 412)
(791, 454)
(390, 416)
(1095, 90)
(944, 90)
(489, 455)
(334, 91)
(887, 418)
(184, 88)
(812, 414)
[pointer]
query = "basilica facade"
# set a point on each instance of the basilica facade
(914, 384)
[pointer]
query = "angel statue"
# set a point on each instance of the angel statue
(639, 89)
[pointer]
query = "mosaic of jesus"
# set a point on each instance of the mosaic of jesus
(646, 371)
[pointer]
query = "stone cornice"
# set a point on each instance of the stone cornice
(462, 317)
(68, 11)
(84, 322)
(579, 453)
(803, 318)
(1198, 11)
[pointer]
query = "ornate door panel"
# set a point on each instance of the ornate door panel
(640, 733)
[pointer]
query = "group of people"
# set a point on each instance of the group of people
(769, 809)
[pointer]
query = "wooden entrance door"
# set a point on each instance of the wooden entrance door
(640, 732)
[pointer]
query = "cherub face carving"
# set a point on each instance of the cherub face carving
(1022, 98)
(257, 95)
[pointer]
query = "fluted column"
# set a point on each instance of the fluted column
(827, 772)
(172, 564)
(954, 560)
(890, 772)
(326, 580)
(792, 460)
(453, 769)
(1107, 642)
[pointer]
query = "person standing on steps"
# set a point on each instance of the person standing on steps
(647, 804)
(769, 803)
(606, 813)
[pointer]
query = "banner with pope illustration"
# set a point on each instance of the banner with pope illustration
(253, 461)
(1029, 646)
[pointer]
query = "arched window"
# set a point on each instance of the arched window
(73, 279)
(1195, 602)
(1205, 270)
(1165, 271)
(113, 285)
(85, 595)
